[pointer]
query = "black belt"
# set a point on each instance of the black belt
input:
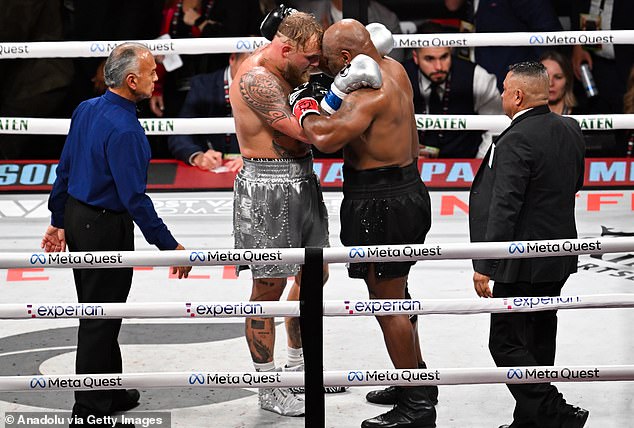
(383, 175)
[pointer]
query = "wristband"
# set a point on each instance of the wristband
(199, 21)
(305, 107)
(332, 101)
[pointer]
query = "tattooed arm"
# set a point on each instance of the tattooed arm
(264, 94)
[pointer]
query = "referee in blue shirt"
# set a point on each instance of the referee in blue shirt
(98, 194)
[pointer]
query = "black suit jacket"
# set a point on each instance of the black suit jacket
(206, 98)
(525, 190)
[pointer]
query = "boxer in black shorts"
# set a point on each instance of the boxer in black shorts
(385, 202)
(392, 205)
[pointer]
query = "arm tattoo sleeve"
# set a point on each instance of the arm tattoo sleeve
(264, 95)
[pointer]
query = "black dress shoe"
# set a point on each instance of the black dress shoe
(398, 419)
(576, 418)
(125, 400)
(382, 396)
(388, 395)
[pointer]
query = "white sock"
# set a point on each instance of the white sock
(295, 357)
(264, 367)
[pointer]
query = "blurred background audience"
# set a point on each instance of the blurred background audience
(458, 81)
(504, 16)
(33, 87)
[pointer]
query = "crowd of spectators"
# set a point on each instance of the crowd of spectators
(445, 81)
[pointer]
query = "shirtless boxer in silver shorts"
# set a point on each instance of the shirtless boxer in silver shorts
(277, 198)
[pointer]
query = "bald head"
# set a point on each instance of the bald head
(526, 85)
(343, 41)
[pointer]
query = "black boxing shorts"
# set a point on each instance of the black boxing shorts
(384, 206)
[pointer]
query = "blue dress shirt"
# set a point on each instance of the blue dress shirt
(104, 164)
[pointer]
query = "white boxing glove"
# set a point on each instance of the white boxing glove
(362, 72)
(381, 37)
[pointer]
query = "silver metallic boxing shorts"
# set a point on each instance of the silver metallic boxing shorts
(278, 204)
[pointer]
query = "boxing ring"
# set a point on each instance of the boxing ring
(594, 360)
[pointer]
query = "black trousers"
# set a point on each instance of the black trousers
(529, 339)
(94, 229)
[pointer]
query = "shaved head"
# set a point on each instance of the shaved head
(346, 35)
(532, 78)
(526, 85)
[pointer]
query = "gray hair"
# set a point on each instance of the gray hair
(123, 59)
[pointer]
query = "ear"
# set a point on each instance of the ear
(130, 80)
(286, 49)
(347, 56)
(415, 56)
(519, 97)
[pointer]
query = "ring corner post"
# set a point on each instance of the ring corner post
(311, 312)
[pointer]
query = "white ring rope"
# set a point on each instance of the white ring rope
(101, 48)
(222, 125)
(331, 308)
(361, 254)
(357, 377)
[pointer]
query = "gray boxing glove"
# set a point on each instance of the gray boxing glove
(381, 37)
(362, 72)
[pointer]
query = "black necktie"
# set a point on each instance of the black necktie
(435, 106)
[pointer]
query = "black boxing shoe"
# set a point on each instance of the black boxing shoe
(576, 418)
(412, 410)
(123, 401)
(382, 396)
(388, 395)
(396, 418)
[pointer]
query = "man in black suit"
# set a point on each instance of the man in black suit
(525, 190)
